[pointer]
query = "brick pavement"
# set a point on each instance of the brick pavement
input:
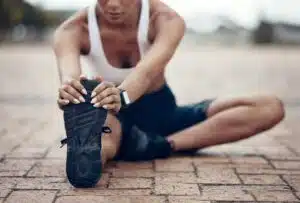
(265, 168)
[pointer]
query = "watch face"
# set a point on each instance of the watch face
(126, 98)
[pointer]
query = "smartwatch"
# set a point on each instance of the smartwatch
(125, 101)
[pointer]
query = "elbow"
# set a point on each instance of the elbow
(55, 42)
(152, 75)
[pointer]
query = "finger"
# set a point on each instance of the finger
(72, 91)
(79, 87)
(66, 96)
(105, 93)
(63, 102)
(110, 106)
(102, 86)
(98, 78)
(109, 100)
(83, 77)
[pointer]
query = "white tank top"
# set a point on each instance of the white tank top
(96, 59)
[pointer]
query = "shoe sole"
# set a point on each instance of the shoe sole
(83, 124)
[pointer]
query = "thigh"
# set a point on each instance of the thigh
(150, 112)
(227, 103)
(186, 116)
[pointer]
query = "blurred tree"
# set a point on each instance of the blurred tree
(14, 12)
(264, 33)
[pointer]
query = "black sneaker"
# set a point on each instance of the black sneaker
(84, 125)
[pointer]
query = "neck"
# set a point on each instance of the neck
(131, 21)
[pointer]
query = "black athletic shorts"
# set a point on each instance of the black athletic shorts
(159, 113)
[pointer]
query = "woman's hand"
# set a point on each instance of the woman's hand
(71, 90)
(106, 95)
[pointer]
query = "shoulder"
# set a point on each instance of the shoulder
(74, 28)
(159, 9)
(160, 14)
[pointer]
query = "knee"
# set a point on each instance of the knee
(272, 109)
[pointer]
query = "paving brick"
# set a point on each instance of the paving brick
(223, 193)
(134, 165)
(274, 196)
(174, 164)
(42, 183)
(176, 189)
(211, 160)
(16, 165)
(8, 182)
(15, 138)
(138, 183)
(246, 188)
(234, 202)
(43, 137)
(175, 178)
(275, 151)
(264, 187)
(262, 179)
(287, 164)
(216, 176)
(12, 173)
(26, 152)
(248, 160)
(115, 199)
(266, 171)
(293, 181)
(31, 196)
(57, 153)
(284, 157)
(227, 149)
(234, 165)
(142, 173)
(186, 199)
(104, 192)
(4, 192)
(48, 168)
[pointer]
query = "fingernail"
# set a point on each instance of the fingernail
(94, 100)
(67, 101)
(105, 107)
(84, 91)
(76, 101)
(93, 94)
(96, 105)
(81, 99)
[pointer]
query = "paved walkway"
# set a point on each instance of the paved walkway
(265, 168)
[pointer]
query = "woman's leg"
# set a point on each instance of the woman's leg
(229, 121)
(111, 141)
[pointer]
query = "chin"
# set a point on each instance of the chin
(115, 21)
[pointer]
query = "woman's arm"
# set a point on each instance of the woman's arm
(67, 46)
(169, 30)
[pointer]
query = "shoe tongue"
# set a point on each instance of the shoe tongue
(90, 85)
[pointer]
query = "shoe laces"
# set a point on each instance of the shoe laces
(63, 142)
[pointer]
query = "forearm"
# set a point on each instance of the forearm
(136, 84)
(68, 67)
(66, 49)
(149, 68)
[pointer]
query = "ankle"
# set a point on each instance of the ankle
(172, 144)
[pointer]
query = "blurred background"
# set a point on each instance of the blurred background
(231, 48)
(214, 21)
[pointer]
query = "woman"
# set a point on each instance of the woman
(120, 107)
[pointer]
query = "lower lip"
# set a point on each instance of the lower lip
(113, 15)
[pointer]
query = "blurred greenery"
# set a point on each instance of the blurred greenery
(14, 12)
